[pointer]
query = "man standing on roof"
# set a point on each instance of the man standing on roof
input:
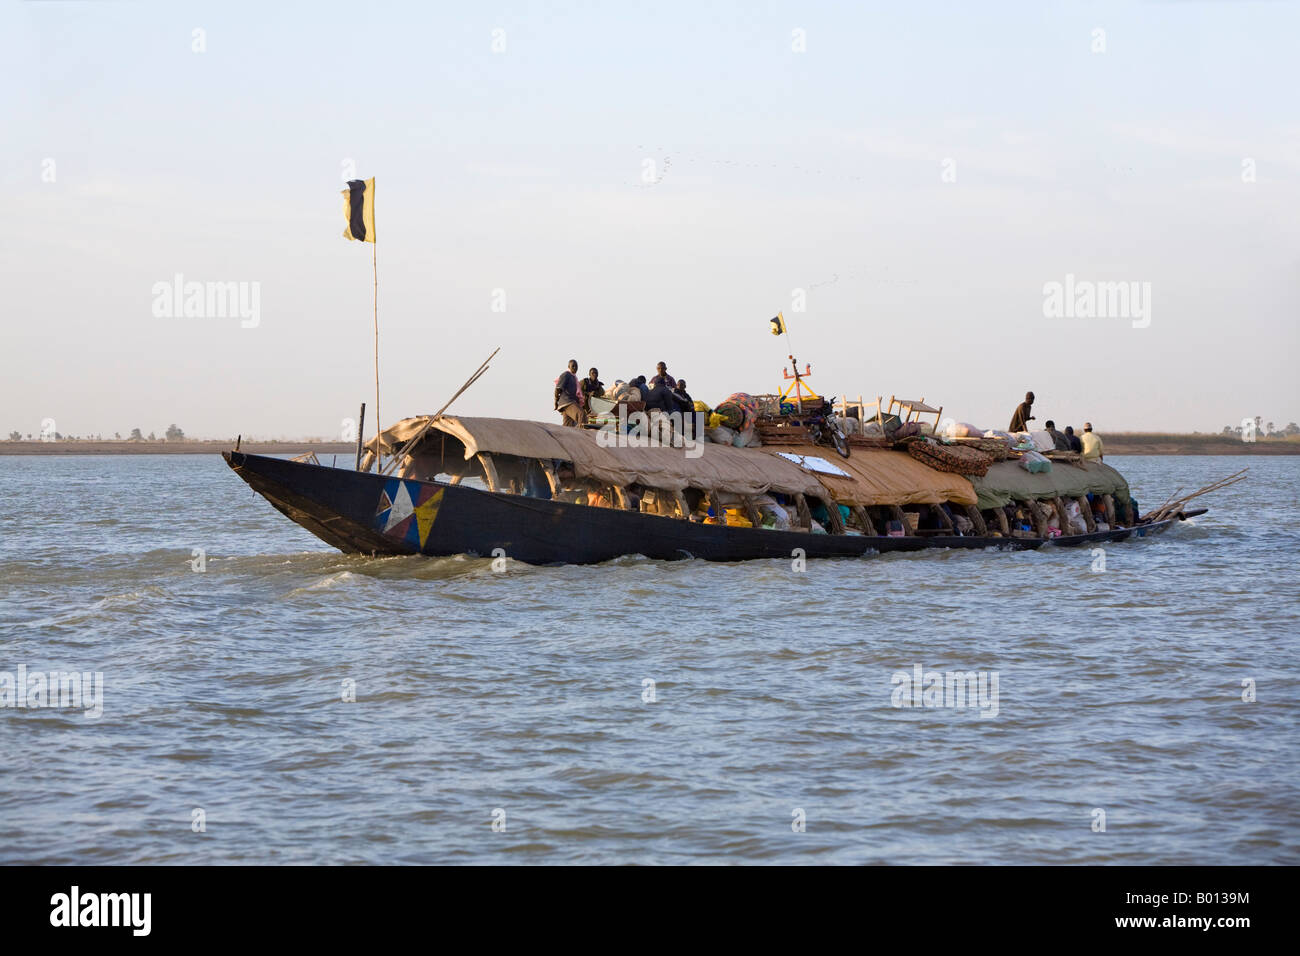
(1021, 418)
(568, 396)
(1092, 450)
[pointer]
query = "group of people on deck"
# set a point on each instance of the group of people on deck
(1088, 444)
(573, 395)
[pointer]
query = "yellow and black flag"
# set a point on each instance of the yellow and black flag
(778, 324)
(359, 209)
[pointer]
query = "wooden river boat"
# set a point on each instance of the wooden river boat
(410, 495)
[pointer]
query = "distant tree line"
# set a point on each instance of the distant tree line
(173, 433)
(1265, 429)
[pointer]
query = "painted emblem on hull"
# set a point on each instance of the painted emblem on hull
(406, 511)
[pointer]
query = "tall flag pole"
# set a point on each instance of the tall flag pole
(359, 211)
(799, 389)
(778, 327)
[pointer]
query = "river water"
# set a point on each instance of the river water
(505, 717)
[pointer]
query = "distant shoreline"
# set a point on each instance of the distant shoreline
(92, 447)
(1131, 443)
(1156, 443)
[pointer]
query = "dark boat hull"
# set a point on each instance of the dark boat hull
(365, 513)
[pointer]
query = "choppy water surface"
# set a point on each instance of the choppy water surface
(1119, 691)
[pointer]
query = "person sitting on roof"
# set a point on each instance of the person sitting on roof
(662, 378)
(592, 387)
(685, 404)
(568, 396)
(659, 404)
(659, 397)
(1073, 439)
(1091, 441)
(1059, 440)
(1021, 418)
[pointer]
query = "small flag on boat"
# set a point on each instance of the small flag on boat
(778, 324)
(359, 209)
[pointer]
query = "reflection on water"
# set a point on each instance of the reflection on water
(526, 691)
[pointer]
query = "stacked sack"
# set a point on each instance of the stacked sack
(622, 391)
(951, 429)
(626, 393)
(1035, 463)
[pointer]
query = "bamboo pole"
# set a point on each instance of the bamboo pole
(1170, 508)
(361, 431)
(1168, 499)
(470, 381)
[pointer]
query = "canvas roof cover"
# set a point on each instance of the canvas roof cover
(1007, 481)
(881, 476)
(875, 476)
(746, 471)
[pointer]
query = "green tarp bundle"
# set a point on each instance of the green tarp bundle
(1007, 481)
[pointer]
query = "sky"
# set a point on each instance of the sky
(624, 184)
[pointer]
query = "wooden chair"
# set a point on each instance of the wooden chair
(906, 408)
(867, 411)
